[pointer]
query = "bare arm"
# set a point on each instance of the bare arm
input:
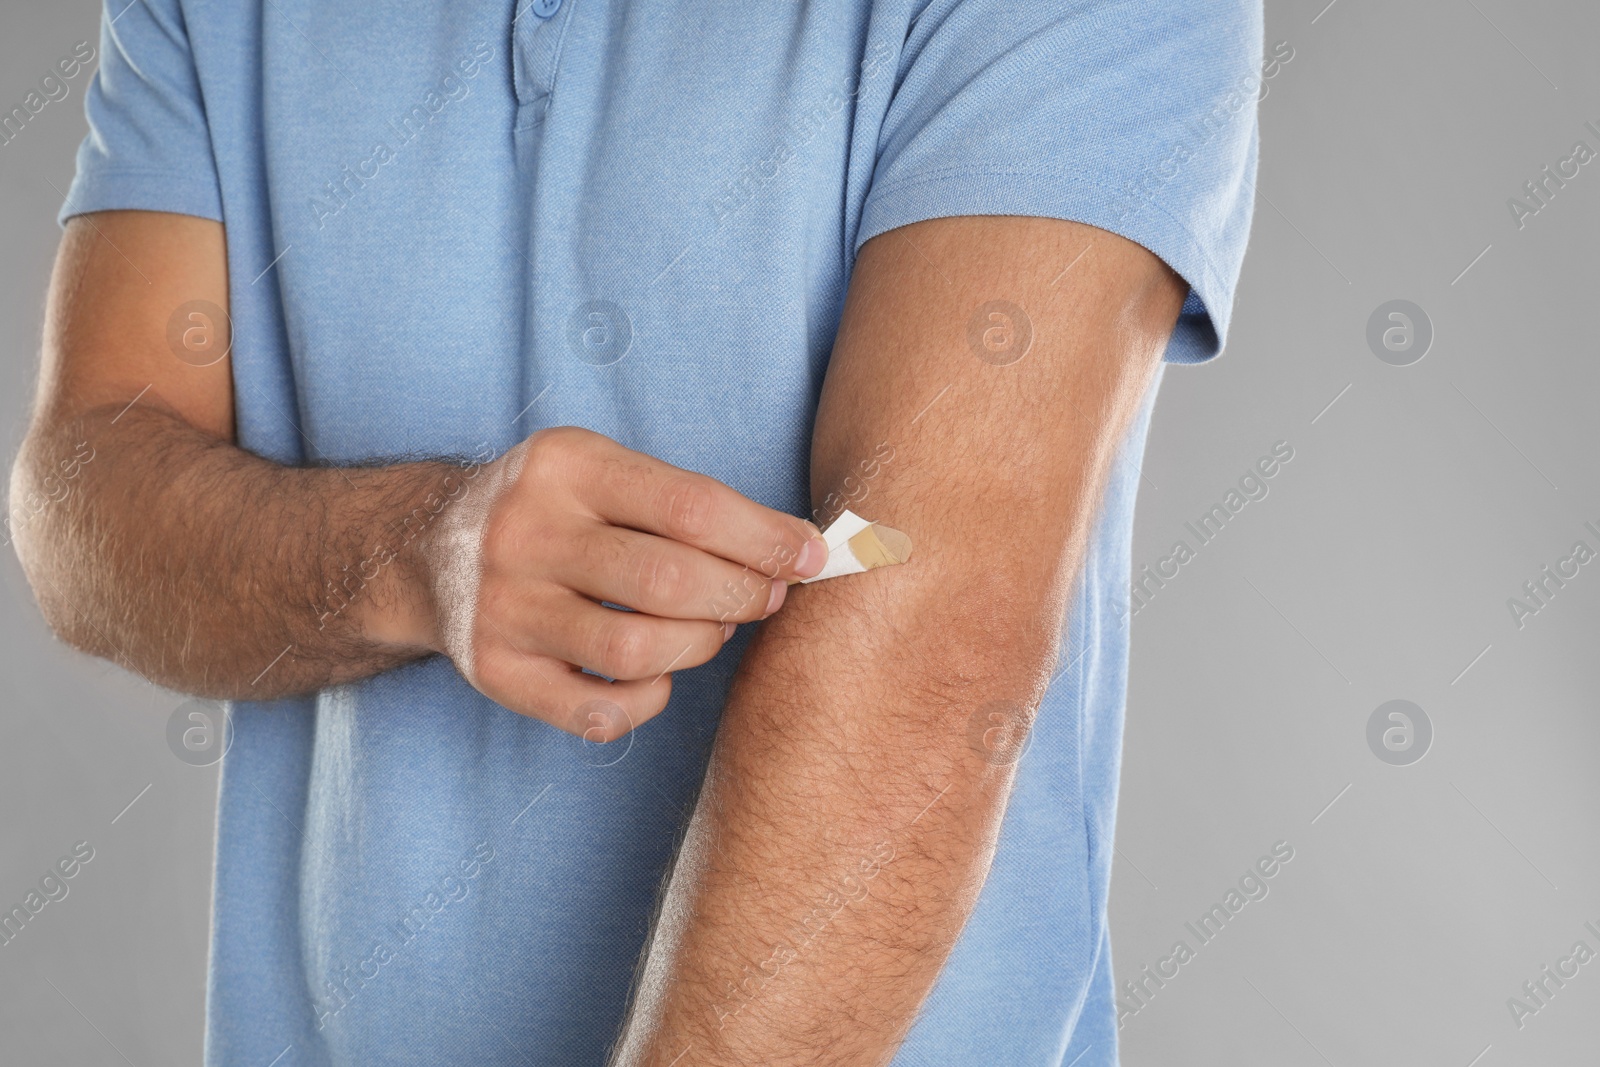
(847, 823)
(150, 538)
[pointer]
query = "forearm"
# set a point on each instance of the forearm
(814, 902)
(213, 571)
(862, 765)
(150, 539)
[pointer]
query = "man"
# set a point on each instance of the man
(536, 313)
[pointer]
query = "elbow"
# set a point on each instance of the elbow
(38, 530)
(26, 503)
(934, 664)
(991, 637)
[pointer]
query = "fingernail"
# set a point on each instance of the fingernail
(727, 630)
(813, 557)
(775, 601)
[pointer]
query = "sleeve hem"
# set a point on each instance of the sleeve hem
(132, 189)
(1042, 193)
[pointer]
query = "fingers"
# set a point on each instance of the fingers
(637, 491)
(627, 645)
(593, 521)
(665, 578)
(568, 699)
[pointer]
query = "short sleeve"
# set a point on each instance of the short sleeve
(148, 146)
(1135, 116)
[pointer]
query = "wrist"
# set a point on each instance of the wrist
(398, 608)
(399, 613)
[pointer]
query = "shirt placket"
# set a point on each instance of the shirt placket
(537, 30)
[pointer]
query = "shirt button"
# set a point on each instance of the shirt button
(545, 8)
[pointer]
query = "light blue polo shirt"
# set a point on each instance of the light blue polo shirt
(452, 224)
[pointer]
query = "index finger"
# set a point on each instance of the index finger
(643, 493)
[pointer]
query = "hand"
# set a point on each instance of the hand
(519, 566)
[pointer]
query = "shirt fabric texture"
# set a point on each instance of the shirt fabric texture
(450, 225)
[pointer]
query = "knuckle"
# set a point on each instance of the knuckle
(707, 645)
(624, 648)
(482, 636)
(494, 611)
(787, 540)
(745, 599)
(488, 673)
(688, 507)
(552, 452)
(544, 709)
(660, 578)
(500, 540)
(497, 676)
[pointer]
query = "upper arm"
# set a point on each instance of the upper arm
(138, 302)
(137, 308)
(985, 371)
(1135, 116)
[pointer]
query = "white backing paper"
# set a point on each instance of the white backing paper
(840, 559)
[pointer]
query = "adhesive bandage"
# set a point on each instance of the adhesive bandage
(856, 545)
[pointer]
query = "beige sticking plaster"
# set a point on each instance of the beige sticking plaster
(856, 545)
(880, 546)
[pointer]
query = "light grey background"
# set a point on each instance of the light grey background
(1379, 566)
